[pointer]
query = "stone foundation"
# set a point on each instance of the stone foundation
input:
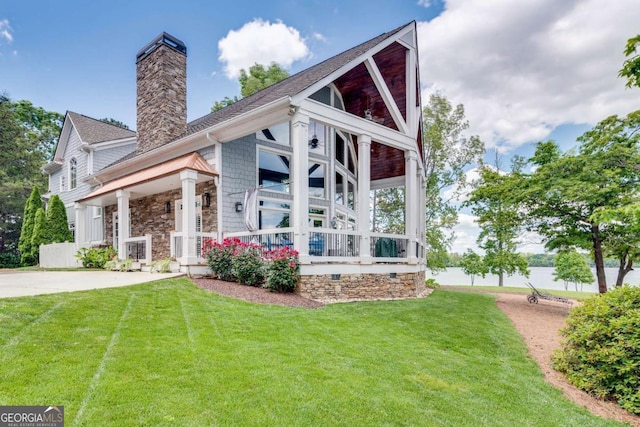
(362, 287)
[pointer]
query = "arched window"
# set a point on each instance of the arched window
(73, 174)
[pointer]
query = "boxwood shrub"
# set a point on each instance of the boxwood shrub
(601, 349)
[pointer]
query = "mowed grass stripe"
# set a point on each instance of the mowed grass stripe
(450, 359)
(16, 338)
(103, 362)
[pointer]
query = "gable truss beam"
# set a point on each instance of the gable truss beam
(357, 125)
(374, 71)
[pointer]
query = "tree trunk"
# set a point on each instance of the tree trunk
(501, 279)
(626, 265)
(598, 258)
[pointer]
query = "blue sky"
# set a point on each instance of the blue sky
(525, 70)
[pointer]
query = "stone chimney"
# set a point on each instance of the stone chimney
(161, 70)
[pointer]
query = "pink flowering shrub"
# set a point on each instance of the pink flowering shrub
(283, 271)
(248, 264)
(220, 257)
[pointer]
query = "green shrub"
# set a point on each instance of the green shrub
(95, 257)
(600, 353)
(431, 283)
(9, 260)
(283, 270)
(161, 265)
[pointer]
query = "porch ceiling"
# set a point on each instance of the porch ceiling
(156, 179)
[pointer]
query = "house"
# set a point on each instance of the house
(293, 164)
(85, 146)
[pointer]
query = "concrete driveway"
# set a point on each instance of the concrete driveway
(14, 283)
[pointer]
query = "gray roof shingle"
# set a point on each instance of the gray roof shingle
(93, 131)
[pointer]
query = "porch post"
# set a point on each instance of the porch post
(300, 160)
(188, 178)
(123, 222)
(422, 220)
(411, 210)
(81, 224)
(364, 187)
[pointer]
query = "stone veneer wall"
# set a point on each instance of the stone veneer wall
(362, 287)
(148, 217)
(161, 97)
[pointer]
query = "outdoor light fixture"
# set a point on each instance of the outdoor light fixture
(167, 207)
(238, 207)
(206, 200)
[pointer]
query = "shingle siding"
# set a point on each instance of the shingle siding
(106, 157)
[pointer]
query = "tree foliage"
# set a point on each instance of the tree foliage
(500, 222)
(257, 78)
(40, 235)
(569, 195)
(57, 221)
(28, 135)
(448, 154)
(472, 264)
(631, 66)
(388, 210)
(114, 122)
(572, 267)
(33, 204)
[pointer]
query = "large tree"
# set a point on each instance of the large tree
(572, 267)
(28, 135)
(257, 78)
(448, 155)
(500, 221)
(565, 193)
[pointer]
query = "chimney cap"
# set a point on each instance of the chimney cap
(163, 39)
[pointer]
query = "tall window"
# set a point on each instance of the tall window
(73, 174)
(273, 171)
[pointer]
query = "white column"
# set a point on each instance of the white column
(300, 186)
(81, 224)
(364, 188)
(188, 178)
(422, 218)
(411, 209)
(123, 222)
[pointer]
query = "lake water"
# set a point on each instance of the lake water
(540, 277)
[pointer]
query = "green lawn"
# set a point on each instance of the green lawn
(168, 353)
(580, 296)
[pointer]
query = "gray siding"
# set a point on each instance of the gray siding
(105, 157)
(238, 174)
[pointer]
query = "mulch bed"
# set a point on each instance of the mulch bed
(254, 294)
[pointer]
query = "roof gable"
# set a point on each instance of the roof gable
(292, 85)
(92, 131)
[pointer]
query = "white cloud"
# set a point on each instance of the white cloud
(523, 68)
(6, 31)
(260, 42)
(424, 3)
(319, 37)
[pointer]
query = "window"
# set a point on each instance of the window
(273, 214)
(317, 217)
(278, 134)
(317, 174)
(273, 171)
(73, 174)
(339, 188)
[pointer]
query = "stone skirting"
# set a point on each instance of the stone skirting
(362, 287)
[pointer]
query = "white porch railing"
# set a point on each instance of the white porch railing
(330, 245)
(139, 248)
(175, 244)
